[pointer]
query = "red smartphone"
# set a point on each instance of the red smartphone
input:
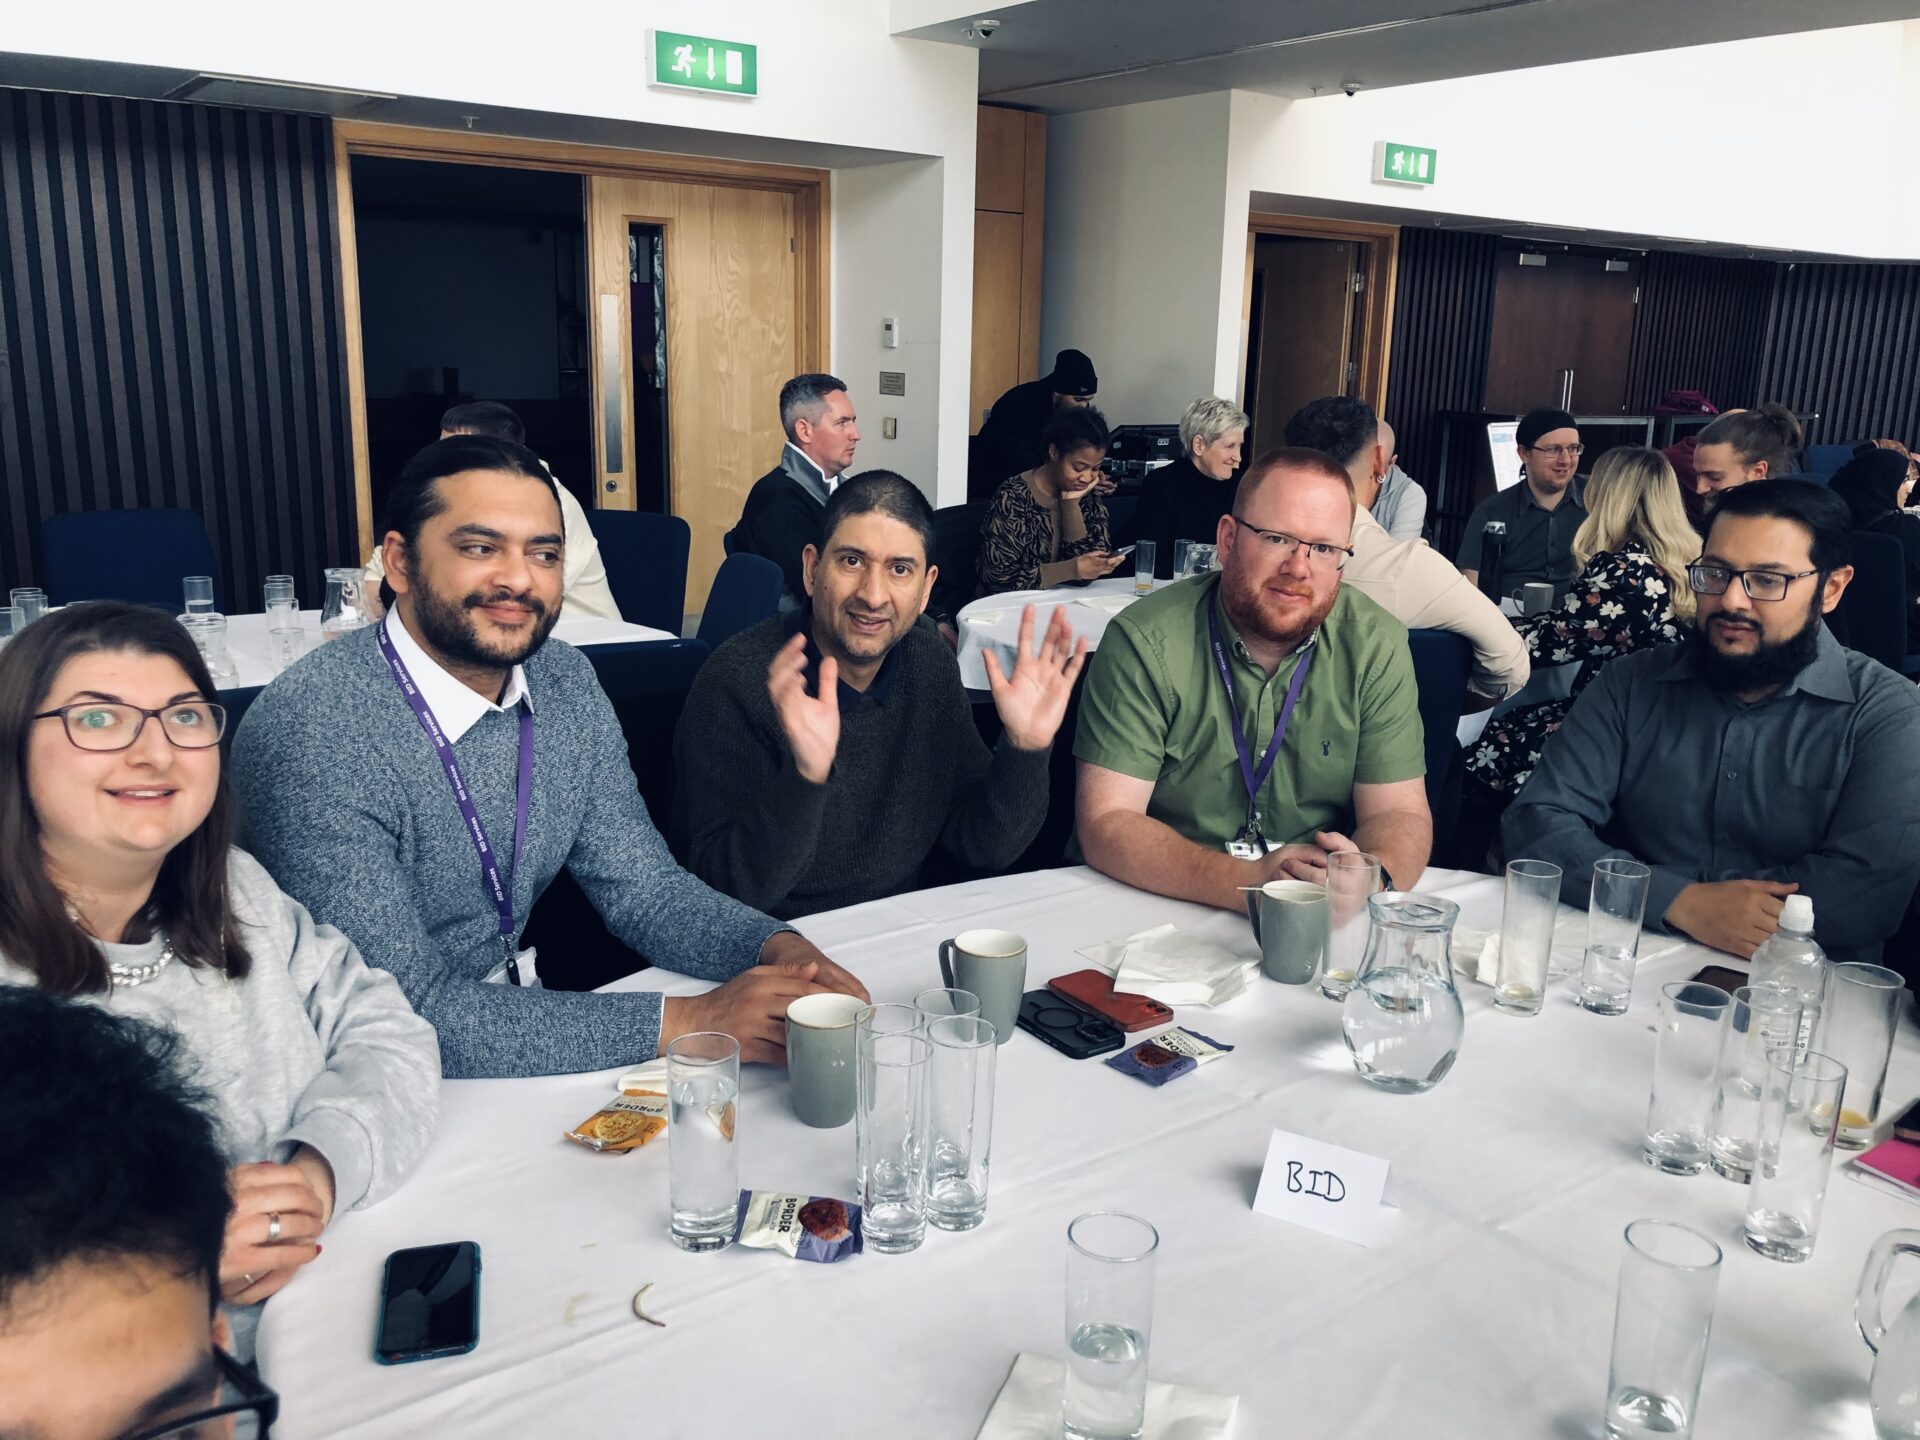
(1093, 990)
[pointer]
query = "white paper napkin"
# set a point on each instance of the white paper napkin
(1169, 965)
(1476, 953)
(1028, 1407)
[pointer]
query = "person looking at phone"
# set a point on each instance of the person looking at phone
(1048, 526)
(823, 756)
(123, 889)
(1242, 727)
(111, 1234)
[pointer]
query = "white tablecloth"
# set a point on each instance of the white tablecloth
(247, 640)
(993, 622)
(1485, 1310)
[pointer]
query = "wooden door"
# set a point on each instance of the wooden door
(1569, 314)
(733, 339)
(1304, 320)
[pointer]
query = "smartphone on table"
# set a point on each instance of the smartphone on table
(429, 1303)
(1093, 990)
(1076, 1033)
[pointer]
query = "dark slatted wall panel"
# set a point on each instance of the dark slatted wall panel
(1442, 324)
(1701, 325)
(1845, 341)
(170, 330)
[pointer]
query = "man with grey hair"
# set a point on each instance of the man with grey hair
(782, 515)
(1184, 500)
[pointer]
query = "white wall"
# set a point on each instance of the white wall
(1136, 234)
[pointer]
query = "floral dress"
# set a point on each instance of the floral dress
(1620, 603)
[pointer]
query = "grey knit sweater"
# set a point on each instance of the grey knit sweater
(911, 773)
(346, 803)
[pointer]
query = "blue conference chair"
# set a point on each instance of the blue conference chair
(1441, 663)
(139, 556)
(1825, 460)
(745, 591)
(1873, 612)
(646, 559)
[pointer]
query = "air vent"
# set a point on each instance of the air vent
(284, 95)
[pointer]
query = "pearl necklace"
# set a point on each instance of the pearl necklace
(127, 976)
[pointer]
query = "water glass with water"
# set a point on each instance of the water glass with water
(1110, 1260)
(1526, 936)
(1761, 1019)
(1799, 1120)
(198, 593)
(1182, 559)
(960, 1119)
(1661, 1320)
(1857, 1028)
(940, 1002)
(1143, 558)
(31, 602)
(1686, 1053)
(209, 632)
(703, 1111)
(890, 1136)
(1614, 914)
(1353, 878)
(276, 591)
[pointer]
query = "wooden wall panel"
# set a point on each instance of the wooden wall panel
(170, 330)
(1702, 326)
(1844, 340)
(1009, 199)
(998, 265)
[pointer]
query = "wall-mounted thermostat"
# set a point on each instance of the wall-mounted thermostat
(890, 333)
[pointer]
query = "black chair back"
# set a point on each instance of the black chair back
(139, 556)
(956, 551)
(646, 559)
(1442, 660)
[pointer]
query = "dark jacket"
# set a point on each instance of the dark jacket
(1870, 484)
(782, 517)
(1009, 443)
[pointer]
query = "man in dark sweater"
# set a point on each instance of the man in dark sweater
(1009, 442)
(823, 755)
(782, 515)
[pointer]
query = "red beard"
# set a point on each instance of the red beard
(1258, 614)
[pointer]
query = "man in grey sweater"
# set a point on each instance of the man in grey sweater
(822, 756)
(388, 779)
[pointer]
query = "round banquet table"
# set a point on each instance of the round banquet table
(1484, 1308)
(993, 621)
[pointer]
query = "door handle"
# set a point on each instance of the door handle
(612, 411)
(1566, 390)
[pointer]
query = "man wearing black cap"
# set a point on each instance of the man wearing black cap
(1009, 443)
(1541, 513)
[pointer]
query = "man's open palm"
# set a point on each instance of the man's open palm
(812, 722)
(1034, 699)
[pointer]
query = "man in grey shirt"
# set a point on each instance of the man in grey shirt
(1757, 760)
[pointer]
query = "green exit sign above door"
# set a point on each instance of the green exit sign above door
(699, 62)
(1395, 164)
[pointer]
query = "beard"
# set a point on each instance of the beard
(1768, 667)
(1254, 612)
(447, 626)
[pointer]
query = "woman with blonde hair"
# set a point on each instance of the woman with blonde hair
(1631, 592)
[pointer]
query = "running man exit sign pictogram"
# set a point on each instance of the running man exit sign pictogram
(699, 62)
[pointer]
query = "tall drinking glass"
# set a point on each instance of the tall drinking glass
(890, 1134)
(31, 602)
(285, 644)
(11, 622)
(1143, 558)
(1668, 1283)
(938, 1003)
(1686, 1050)
(703, 1091)
(1182, 559)
(1799, 1117)
(1762, 1019)
(887, 1018)
(1353, 878)
(276, 591)
(209, 632)
(1526, 936)
(960, 1120)
(1614, 914)
(1110, 1260)
(1857, 1030)
(198, 592)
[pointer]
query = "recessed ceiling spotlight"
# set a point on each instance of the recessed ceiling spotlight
(981, 29)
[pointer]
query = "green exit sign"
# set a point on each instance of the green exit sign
(699, 62)
(1403, 164)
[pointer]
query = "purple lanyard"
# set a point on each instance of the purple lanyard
(501, 890)
(1255, 777)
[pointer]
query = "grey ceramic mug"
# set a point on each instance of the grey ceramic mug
(993, 965)
(1290, 922)
(820, 1058)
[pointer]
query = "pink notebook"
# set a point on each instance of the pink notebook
(1897, 1161)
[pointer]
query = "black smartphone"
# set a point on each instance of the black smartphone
(1074, 1032)
(429, 1303)
(1724, 976)
(1907, 1127)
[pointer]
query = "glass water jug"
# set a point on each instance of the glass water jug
(1402, 1019)
(1895, 1389)
(345, 607)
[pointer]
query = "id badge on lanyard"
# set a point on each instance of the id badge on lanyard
(1251, 843)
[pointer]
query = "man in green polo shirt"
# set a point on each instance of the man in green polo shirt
(1173, 724)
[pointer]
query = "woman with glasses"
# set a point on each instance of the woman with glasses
(123, 888)
(1048, 526)
(1631, 593)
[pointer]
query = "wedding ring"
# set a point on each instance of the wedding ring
(273, 1227)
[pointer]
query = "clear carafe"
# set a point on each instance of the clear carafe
(1402, 1019)
(1895, 1389)
(345, 607)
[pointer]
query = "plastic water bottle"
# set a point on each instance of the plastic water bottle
(1793, 960)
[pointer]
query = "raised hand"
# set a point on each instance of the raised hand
(1034, 699)
(811, 722)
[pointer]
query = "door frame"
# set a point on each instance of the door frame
(1376, 315)
(809, 187)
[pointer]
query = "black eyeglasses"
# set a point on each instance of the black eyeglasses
(99, 725)
(241, 1393)
(1320, 555)
(1559, 452)
(1759, 584)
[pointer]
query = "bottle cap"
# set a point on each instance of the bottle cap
(1797, 914)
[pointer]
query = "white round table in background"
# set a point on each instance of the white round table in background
(993, 621)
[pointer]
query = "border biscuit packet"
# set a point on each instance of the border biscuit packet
(807, 1227)
(626, 1122)
(1168, 1055)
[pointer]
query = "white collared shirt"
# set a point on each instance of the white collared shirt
(457, 707)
